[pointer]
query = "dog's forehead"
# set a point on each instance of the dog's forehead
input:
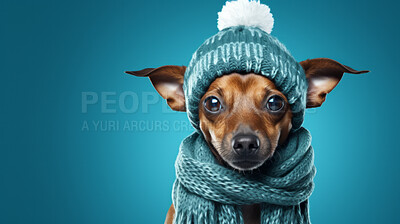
(234, 82)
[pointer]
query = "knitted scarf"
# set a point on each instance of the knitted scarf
(206, 192)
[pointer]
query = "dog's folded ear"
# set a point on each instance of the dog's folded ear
(168, 81)
(323, 75)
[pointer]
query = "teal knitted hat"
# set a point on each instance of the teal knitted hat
(244, 45)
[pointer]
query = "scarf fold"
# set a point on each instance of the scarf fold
(206, 192)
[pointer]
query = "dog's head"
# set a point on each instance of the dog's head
(244, 117)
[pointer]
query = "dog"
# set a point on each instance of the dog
(244, 117)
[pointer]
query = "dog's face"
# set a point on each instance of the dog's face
(244, 117)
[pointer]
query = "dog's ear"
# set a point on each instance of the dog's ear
(323, 75)
(168, 81)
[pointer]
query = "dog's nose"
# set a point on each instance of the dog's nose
(245, 145)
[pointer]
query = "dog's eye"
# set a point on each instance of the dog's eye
(212, 104)
(275, 103)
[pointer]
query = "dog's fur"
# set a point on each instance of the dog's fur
(242, 99)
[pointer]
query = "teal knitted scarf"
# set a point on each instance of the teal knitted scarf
(206, 192)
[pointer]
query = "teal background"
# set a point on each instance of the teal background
(53, 171)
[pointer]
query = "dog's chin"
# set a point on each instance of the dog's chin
(245, 165)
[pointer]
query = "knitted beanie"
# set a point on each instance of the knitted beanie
(244, 45)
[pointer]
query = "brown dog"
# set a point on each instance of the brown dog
(244, 117)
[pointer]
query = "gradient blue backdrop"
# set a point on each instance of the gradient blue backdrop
(52, 171)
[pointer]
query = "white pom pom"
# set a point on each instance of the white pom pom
(246, 13)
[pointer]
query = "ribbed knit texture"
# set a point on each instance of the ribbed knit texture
(244, 50)
(206, 192)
